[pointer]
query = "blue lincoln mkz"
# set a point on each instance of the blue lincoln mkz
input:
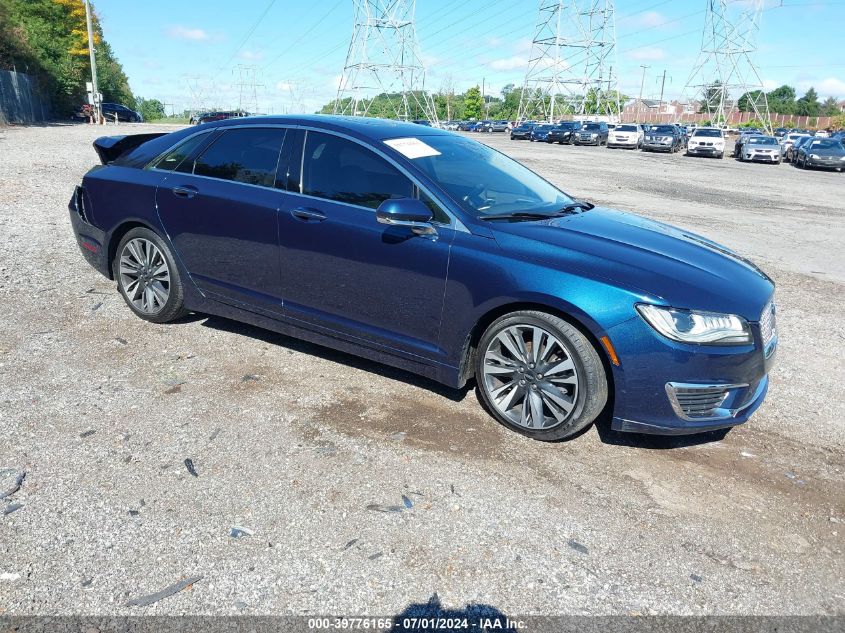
(429, 251)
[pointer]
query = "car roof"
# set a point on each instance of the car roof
(362, 127)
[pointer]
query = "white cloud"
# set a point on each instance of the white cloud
(186, 33)
(516, 62)
(770, 84)
(828, 87)
(651, 19)
(647, 53)
(251, 55)
(283, 86)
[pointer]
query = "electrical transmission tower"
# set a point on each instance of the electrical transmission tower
(384, 59)
(248, 88)
(725, 70)
(570, 70)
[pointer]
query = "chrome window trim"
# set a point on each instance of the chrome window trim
(454, 224)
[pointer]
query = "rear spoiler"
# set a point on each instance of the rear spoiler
(110, 148)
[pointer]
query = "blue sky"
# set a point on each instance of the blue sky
(190, 52)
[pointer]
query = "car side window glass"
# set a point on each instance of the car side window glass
(248, 155)
(174, 158)
(438, 214)
(339, 169)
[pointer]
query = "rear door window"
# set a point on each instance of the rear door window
(248, 155)
(174, 158)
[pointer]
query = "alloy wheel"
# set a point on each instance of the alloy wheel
(531, 377)
(144, 275)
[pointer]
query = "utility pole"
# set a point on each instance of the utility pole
(95, 91)
(642, 82)
(662, 85)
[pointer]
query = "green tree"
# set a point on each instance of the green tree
(49, 39)
(782, 100)
(808, 105)
(830, 107)
(473, 103)
(711, 96)
(150, 109)
(749, 99)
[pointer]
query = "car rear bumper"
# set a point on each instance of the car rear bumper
(90, 239)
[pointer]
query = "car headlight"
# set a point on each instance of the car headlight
(693, 326)
(814, 156)
(594, 135)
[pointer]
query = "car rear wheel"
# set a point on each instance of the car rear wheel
(147, 277)
(539, 375)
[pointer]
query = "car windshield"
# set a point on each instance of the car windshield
(570, 126)
(626, 128)
(544, 127)
(663, 129)
(592, 126)
(483, 181)
(762, 140)
(707, 133)
(827, 144)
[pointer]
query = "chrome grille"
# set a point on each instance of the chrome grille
(768, 328)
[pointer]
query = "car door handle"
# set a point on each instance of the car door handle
(186, 191)
(308, 215)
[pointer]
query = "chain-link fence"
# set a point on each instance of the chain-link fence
(21, 100)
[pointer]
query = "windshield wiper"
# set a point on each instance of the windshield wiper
(518, 215)
(536, 215)
(576, 204)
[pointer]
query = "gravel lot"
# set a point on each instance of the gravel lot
(318, 455)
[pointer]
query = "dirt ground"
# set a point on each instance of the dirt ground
(355, 488)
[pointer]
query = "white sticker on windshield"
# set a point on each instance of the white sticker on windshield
(412, 147)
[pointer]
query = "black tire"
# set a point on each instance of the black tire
(592, 389)
(174, 307)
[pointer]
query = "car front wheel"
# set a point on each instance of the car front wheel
(147, 276)
(539, 375)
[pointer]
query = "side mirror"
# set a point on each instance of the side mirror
(408, 212)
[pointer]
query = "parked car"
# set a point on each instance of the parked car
(483, 126)
(761, 148)
(540, 132)
(563, 132)
(450, 125)
(592, 134)
(663, 138)
(740, 143)
(499, 126)
(522, 132)
(781, 132)
(821, 134)
(361, 234)
(628, 135)
(787, 141)
(792, 152)
(425, 122)
(123, 113)
(466, 126)
(210, 117)
(706, 141)
(824, 153)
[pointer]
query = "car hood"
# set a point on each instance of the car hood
(651, 258)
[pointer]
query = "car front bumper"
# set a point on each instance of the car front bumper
(587, 141)
(657, 146)
(825, 163)
(705, 150)
(558, 138)
(664, 387)
(522, 136)
(763, 158)
(624, 142)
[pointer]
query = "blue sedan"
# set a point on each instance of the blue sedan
(428, 251)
